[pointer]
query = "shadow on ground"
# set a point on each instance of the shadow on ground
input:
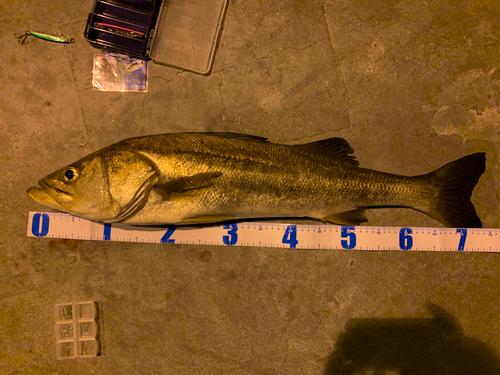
(410, 347)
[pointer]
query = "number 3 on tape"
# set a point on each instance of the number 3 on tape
(232, 236)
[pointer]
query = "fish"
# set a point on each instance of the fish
(204, 178)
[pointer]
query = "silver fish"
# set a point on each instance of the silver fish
(194, 178)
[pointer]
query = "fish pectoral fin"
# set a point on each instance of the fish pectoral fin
(335, 148)
(187, 186)
(207, 219)
(351, 217)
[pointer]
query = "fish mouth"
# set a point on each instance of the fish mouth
(40, 196)
(50, 196)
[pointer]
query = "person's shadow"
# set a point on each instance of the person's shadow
(411, 347)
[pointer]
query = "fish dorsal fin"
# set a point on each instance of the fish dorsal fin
(187, 184)
(238, 136)
(335, 148)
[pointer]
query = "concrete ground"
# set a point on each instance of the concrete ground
(410, 84)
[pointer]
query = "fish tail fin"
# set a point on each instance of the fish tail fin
(452, 205)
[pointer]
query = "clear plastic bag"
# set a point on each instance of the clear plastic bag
(117, 72)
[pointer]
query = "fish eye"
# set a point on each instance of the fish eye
(70, 174)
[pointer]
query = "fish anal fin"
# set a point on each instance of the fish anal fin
(351, 217)
(335, 148)
(187, 186)
(205, 219)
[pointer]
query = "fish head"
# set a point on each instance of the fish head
(104, 186)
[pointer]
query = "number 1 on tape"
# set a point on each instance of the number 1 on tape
(57, 225)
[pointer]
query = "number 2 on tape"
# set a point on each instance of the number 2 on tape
(166, 237)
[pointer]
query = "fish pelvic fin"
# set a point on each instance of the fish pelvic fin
(335, 148)
(452, 206)
(207, 219)
(351, 217)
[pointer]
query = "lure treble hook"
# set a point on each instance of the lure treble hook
(22, 39)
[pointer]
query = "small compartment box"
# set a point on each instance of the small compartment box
(178, 33)
(76, 330)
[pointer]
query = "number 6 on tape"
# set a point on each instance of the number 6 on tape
(405, 240)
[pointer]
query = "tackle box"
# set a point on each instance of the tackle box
(178, 33)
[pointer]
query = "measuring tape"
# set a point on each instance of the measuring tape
(58, 225)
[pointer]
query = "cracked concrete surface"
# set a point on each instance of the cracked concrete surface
(411, 85)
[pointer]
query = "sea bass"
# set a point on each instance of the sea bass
(195, 178)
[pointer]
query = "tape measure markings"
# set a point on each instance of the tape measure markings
(294, 236)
